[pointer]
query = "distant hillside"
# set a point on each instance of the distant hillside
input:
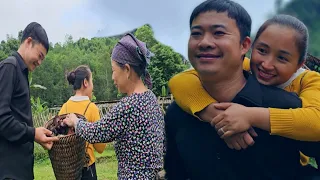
(119, 36)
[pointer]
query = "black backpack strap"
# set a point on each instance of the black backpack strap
(86, 108)
(87, 156)
(10, 60)
(302, 78)
(66, 108)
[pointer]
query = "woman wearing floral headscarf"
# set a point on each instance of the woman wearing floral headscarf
(136, 122)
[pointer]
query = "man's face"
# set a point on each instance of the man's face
(214, 44)
(35, 54)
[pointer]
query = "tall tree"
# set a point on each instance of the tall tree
(164, 65)
(145, 34)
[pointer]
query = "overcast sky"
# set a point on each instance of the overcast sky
(91, 18)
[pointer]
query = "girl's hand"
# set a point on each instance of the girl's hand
(241, 140)
(235, 119)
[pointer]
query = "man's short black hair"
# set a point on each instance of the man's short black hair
(37, 33)
(235, 11)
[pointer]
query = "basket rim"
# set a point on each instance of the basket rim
(314, 58)
(62, 115)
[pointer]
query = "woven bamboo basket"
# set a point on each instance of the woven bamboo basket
(67, 155)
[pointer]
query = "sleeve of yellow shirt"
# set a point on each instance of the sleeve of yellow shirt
(302, 123)
(189, 93)
(246, 64)
(99, 147)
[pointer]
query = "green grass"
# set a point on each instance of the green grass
(106, 164)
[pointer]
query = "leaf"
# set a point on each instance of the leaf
(313, 163)
(30, 78)
(38, 86)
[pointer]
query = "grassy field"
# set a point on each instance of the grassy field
(106, 165)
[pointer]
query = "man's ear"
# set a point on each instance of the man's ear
(28, 41)
(245, 45)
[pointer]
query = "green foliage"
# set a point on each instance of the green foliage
(94, 98)
(40, 154)
(8, 47)
(63, 58)
(38, 106)
(164, 91)
(145, 34)
(96, 53)
(34, 86)
(313, 163)
(164, 65)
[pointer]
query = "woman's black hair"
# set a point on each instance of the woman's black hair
(77, 76)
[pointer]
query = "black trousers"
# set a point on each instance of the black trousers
(89, 173)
